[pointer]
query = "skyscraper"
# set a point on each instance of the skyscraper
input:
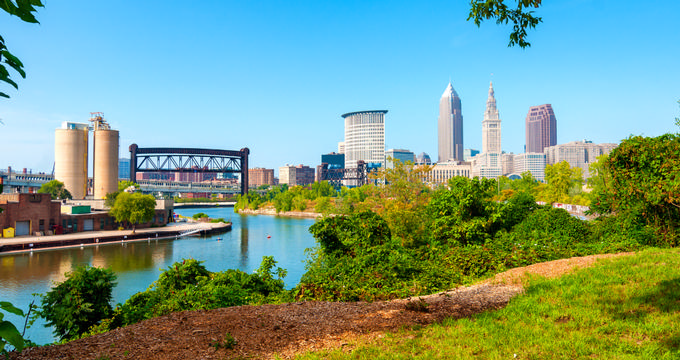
(365, 137)
(450, 126)
(488, 163)
(491, 125)
(541, 128)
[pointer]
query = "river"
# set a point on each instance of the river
(138, 264)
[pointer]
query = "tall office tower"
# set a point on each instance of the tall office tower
(541, 128)
(491, 126)
(450, 126)
(365, 138)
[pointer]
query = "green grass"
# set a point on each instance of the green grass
(625, 308)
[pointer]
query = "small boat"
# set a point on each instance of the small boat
(219, 238)
(269, 236)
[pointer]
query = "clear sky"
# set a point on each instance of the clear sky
(276, 76)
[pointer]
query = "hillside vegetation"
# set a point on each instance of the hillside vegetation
(625, 308)
(406, 238)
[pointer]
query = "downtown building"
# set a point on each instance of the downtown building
(441, 172)
(488, 163)
(260, 176)
(540, 128)
(364, 138)
(296, 175)
(402, 155)
(450, 127)
(530, 162)
(578, 154)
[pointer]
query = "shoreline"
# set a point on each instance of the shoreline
(272, 212)
(34, 243)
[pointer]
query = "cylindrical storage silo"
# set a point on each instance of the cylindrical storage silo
(70, 158)
(105, 162)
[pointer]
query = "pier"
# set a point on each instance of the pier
(89, 238)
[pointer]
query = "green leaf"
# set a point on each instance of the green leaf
(10, 333)
(7, 306)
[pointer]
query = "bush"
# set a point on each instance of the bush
(190, 286)
(199, 216)
(79, 302)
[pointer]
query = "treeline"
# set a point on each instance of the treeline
(406, 238)
(563, 184)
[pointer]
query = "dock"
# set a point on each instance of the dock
(33, 243)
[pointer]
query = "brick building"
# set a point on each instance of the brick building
(38, 214)
(260, 176)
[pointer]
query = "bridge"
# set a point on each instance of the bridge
(20, 182)
(189, 160)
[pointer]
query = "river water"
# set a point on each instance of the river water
(138, 264)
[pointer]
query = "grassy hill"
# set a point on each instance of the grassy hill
(626, 308)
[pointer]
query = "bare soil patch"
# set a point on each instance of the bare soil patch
(288, 329)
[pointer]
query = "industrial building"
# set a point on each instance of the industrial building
(38, 214)
(71, 157)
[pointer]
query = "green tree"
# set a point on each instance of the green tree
(562, 182)
(123, 185)
(323, 188)
(465, 212)
(522, 17)
(642, 177)
(79, 302)
(133, 208)
(55, 188)
(24, 10)
(402, 199)
(126, 184)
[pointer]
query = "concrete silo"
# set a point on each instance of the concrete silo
(105, 157)
(70, 158)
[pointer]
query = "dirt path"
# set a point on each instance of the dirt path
(288, 329)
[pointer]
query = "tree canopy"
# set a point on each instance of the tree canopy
(23, 9)
(133, 208)
(79, 302)
(522, 17)
(55, 188)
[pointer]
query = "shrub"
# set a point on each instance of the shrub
(79, 302)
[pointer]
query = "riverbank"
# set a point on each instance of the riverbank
(205, 204)
(34, 243)
(286, 330)
(272, 211)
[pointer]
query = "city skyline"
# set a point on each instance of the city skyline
(277, 78)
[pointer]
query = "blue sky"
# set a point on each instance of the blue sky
(275, 76)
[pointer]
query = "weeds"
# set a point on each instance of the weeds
(228, 343)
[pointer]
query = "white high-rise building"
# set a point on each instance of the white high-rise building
(450, 132)
(364, 137)
(491, 125)
(488, 163)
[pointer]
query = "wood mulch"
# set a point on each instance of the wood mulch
(261, 332)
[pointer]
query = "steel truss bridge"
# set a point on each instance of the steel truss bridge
(344, 177)
(189, 160)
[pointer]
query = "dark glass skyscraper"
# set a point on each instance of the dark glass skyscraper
(450, 126)
(541, 128)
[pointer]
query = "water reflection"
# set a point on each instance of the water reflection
(138, 264)
(244, 240)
